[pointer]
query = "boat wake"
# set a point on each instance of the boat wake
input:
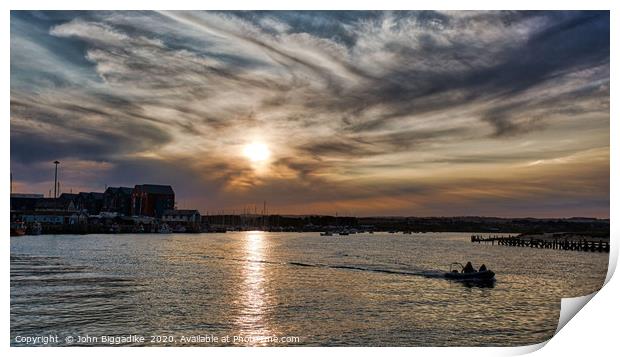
(426, 274)
(364, 268)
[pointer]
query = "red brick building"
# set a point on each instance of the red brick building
(151, 200)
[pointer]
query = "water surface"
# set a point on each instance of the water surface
(358, 290)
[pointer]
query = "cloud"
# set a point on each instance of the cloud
(339, 97)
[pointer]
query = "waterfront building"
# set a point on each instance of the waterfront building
(151, 200)
(69, 197)
(26, 195)
(92, 202)
(44, 218)
(183, 220)
(55, 211)
(55, 218)
(24, 201)
(184, 216)
(117, 200)
(54, 205)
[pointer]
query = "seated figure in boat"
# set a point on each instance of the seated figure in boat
(469, 268)
(482, 268)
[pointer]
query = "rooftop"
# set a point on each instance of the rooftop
(160, 189)
(95, 195)
(124, 190)
(180, 212)
(26, 195)
(54, 204)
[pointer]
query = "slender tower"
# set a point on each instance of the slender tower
(56, 177)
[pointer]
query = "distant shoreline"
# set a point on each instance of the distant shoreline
(543, 236)
(565, 235)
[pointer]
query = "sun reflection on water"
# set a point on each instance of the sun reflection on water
(252, 319)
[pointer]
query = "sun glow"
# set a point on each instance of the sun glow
(256, 152)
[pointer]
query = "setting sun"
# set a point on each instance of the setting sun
(256, 152)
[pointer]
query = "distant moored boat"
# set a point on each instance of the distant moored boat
(165, 229)
(18, 229)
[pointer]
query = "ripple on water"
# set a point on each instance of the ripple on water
(358, 290)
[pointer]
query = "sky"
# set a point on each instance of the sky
(410, 113)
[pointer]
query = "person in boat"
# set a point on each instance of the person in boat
(468, 268)
(482, 268)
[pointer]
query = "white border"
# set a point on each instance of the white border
(591, 331)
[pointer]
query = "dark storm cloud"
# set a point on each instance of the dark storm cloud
(43, 133)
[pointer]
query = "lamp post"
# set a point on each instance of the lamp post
(56, 177)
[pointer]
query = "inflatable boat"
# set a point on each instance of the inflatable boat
(459, 274)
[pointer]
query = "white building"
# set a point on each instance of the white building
(185, 216)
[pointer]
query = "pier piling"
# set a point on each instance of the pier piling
(581, 245)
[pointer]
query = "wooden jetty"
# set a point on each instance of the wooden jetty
(552, 242)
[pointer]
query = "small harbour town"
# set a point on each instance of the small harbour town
(151, 208)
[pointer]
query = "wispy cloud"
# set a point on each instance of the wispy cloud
(387, 112)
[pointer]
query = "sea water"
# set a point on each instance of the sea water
(287, 289)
